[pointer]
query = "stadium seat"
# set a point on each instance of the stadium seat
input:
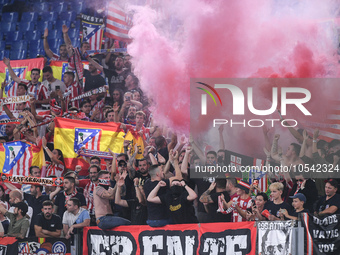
(54, 43)
(59, 7)
(41, 7)
(9, 17)
(73, 32)
(4, 53)
(29, 16)
(78, 6)
(8, 26)
(49, 16)
(76, 24)
(55, 34)
(42, 24)
(1, 36)
(35, 44)
(75, 41)
(17, 54)
(13, 36)
(32, 35)
(32, 53)
(59, 24)
(2, 45)
(22, 44)
(26, 26)
(70, 16)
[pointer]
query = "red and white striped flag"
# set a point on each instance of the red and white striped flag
(118, 23)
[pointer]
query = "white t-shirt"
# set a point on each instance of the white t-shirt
(53, 86)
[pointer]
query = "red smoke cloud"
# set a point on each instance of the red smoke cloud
(240, 39)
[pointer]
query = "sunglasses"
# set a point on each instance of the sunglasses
(299, 180)
(122, 165)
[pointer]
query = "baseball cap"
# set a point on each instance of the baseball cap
(22, 206)
(300, 196)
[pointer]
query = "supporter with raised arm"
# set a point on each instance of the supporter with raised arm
(137, 204)
(34, 87)
(213, 201)
(57, 165)
(330, 203)
(291, 158)
(101, 196)
(48, 224)
(62, 49)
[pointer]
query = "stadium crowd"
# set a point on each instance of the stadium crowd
(155, 189)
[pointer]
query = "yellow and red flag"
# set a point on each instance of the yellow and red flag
(16, 157)
(71, 135)
(22, 68)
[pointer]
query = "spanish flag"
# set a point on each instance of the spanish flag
(71, 135)
(60, 67)
(22, 68)
(17, 157)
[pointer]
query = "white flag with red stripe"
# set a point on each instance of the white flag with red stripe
(92, 31)
(118, 23)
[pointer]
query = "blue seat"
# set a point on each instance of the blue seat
(13, 36)
(70, 16)
(2, 45)
(8, 26)
(42, 24)
(26, 26)
(18, 54)
(22, 44)
(59, 24)
(35, 44)
(73, 32)
(55, 34)
(49, 16)
(9, 17)
(29, 16)
(41, 7)
(78, 6)
(76, 24)
(54, 43)
(59, 7)
(4, 53)
(1, 36)
(32, 35)
(75, 41)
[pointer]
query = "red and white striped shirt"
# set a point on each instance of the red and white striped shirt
(89, 187)
(243, 204)
(54, 169)
(75, 90)
(88, 193)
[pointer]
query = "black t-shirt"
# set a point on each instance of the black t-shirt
(60, 202)
(274, 208)
(180, 209)
(139, 213)
(116, 81)
(323, 204)
(295, 214)
(142, 178)
(36, 204)
(93, 81)
(52, 224)
(215, 216)
(156, 211)
(202, 185)
(310, 191)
